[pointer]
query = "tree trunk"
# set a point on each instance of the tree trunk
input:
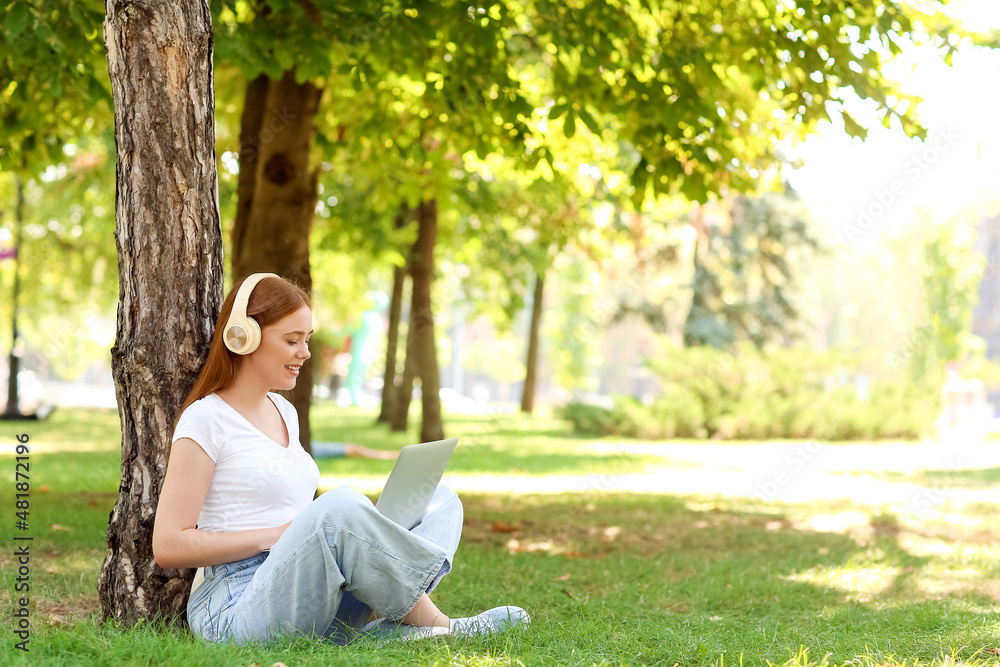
(276, 207)
(389, 394)
(700, 307)
(531, 374)
(170, 272)
(422, 321)
(251, 123)
(404, 392)
(13, 410)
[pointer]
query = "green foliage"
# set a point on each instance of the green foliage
(748, 394)
(674, 414)
(951, 289)
(676, 97)
(701, 94)
(67, 259)
(54, 83)
(572, 335)
(746, 269)
(591, 419)
(499, 357)
(516, 226)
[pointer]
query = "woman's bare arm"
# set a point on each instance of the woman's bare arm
(176, 541)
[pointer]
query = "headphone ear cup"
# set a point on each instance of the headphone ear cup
(242, 333)
(253, 339)
(243, 336)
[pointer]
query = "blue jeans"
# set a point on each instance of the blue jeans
(337, 561)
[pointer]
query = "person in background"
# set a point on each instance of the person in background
(351, 450)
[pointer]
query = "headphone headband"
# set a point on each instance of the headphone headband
(242, 333)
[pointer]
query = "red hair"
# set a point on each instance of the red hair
(271, 300)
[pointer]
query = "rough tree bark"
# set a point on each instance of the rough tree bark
(389, 394)
(277, 191)
(422, 321)
(400, 415)
(531, 374)
(170, 272)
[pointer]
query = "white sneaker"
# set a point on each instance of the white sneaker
(389, 631)
(498, 619)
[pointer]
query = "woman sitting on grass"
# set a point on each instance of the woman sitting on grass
(237, 502)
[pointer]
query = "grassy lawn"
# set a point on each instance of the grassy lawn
(608, 578)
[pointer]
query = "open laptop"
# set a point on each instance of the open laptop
(413, 480)
(407, 493)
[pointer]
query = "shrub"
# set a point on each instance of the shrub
(590, 419)
(787, 393)
(680, 412)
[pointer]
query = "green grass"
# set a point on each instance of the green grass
(946, 478)
(964, 477)
(489, 444)
(87, 443)
(608, 578)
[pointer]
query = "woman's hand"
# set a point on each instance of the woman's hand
(177, 542)
(275, 535)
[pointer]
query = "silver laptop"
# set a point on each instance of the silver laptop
(413, 480)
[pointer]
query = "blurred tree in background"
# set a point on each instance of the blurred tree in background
(536, 128)
(747, 262)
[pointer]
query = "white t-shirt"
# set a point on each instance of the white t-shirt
(257, 483)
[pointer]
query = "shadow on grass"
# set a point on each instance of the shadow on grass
(644, 579)
(502, 445)
(546, 433)
(970, 478)
(504, 452)
(725, 579)
(484, 460)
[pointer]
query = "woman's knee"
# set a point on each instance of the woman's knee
(444, 499)
(344, 498)
(337, 506)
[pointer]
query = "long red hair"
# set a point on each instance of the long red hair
(271, 300)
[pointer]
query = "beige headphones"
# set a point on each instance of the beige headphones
(242, 333)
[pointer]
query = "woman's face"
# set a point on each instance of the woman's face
(284, 347)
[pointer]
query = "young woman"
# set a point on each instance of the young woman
(237, 502)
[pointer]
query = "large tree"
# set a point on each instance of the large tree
(705, 96)
(170, 271)
(745, 259)
(695, 96)
(409, 82)
(277, 192)
(278, 48)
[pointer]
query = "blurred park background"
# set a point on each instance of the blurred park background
(839, 283)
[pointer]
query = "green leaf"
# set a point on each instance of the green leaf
(285, 59)
(411, 193)
(589, 121)
(569, 125)
(852, 127)
(55, 87)
(16, 20)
